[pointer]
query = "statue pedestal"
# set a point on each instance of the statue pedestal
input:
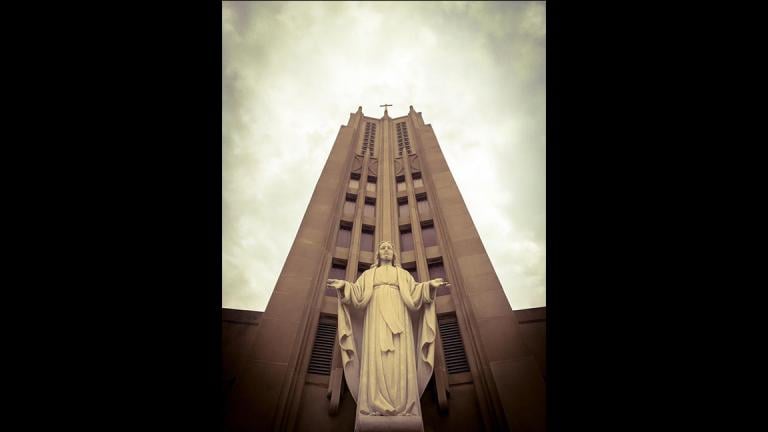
(366, 423)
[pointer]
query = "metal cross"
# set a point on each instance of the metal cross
(385, 106)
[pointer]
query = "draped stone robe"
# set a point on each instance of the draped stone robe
(387, 328)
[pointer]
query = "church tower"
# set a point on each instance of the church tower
(386, 179)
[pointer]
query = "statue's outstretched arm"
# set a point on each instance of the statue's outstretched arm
(433, 285)
(351, 292)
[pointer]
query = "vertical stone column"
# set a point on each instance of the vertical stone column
(357, 222)
(386, 222)
(418, 241)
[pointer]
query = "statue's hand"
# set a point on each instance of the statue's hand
(335, 283)
(437, 283)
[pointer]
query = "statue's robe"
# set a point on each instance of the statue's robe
(387, 328)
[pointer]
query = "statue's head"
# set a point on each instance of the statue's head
(385, 251)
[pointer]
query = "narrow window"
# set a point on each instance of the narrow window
(423, 205)
(366, 239)
(429, 235)
(370, 209)
(406, 240)
(344, 237)
(403, 211)
(349, 205)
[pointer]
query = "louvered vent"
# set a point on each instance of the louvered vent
(402, 138)
(369, 138)
(453, 347)
(322, 351)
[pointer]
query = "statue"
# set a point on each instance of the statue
(386, 329)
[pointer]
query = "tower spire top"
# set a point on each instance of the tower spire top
(385, 108)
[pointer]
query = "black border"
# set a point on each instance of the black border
(131, 202)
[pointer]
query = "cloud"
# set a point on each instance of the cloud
(293, 71)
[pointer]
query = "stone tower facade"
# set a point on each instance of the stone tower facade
(386, 179)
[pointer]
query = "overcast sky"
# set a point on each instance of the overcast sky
(294, 71)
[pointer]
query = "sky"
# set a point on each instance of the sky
(293, 72)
